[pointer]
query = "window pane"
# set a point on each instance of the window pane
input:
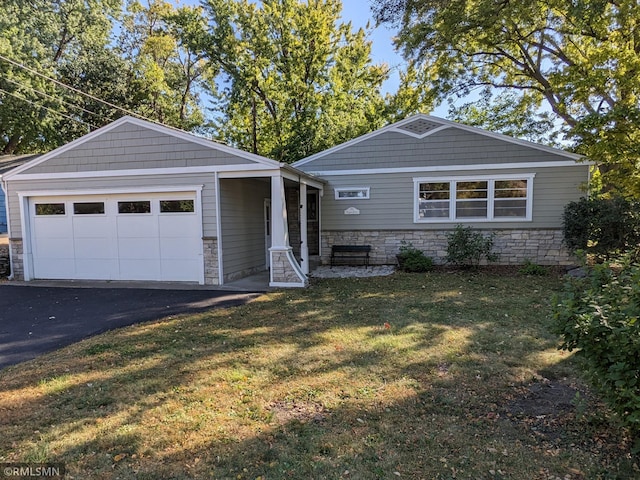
(471, 190)
(88, 208)
(434, 200)
(49, 208)
(134, 207)
(511, 189)
(431, 209)
(176, 206)
(355, 193)
(510, 208)
(471, 209)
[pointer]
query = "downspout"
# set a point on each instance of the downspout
(6, 203)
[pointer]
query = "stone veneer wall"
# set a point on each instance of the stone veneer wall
(210, 250)
(544, 247)
(15, 244)
(282, 271)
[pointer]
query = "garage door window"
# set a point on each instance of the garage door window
(134, 207)
(88, 208)
(176, 206)
(50, 209)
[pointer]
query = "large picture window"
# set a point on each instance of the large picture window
(481, 198)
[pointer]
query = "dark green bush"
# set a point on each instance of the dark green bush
(410, 259)
(467, 248)
(598, 316)
(601, 226)
(530, 268)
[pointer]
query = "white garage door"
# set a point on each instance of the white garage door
(117, 237)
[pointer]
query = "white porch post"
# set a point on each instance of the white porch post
(280, 232)
(304, 245)
(285, 270)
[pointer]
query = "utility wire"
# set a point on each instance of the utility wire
(57, 82)
(51, 97)
(49, 109)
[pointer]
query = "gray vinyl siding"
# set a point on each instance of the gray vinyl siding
(451, 146)
(133, 182)
(391, 202)
(131, 146)
(243, 235)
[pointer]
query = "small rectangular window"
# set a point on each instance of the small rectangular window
(143, 206)
(356, 193)
(88, 208)
(50, 209)
(176, 206)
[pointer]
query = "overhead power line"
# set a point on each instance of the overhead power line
(69, 117)
(51, 97)
(57, 82)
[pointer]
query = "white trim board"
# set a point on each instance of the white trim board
(108, 191)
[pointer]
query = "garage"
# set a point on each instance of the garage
(154, 236)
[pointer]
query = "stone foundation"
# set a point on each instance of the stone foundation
(211, 265)
(17, 256)
(544, 247)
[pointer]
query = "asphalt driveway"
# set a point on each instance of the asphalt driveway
(36, 320)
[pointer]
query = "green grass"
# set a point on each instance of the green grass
(438, 375)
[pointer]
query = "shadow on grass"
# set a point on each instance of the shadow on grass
(417, 376)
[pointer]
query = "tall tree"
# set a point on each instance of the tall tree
(296, 80)
(42, 36)
(165, 72)
(580, 58)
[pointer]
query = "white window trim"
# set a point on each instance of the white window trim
(366, 191)
(491, 179)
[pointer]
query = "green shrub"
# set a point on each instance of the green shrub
(410, 259)
(530, 268)
(467, 248)
(601, 226)
(598, 316)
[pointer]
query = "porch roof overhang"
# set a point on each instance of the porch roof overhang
(292, 173)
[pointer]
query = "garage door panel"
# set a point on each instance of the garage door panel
(178, 225)
(143, 248)
(142, 226)
(97, 268)
(54, 268)
(52, 227)
(88, 248)
(54, 248)
(139, 269)
(92, 227)
(179, 247)
(178, 269)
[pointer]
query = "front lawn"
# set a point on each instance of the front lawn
(417, 376)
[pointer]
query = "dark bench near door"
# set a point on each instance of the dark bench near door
(349, 252)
